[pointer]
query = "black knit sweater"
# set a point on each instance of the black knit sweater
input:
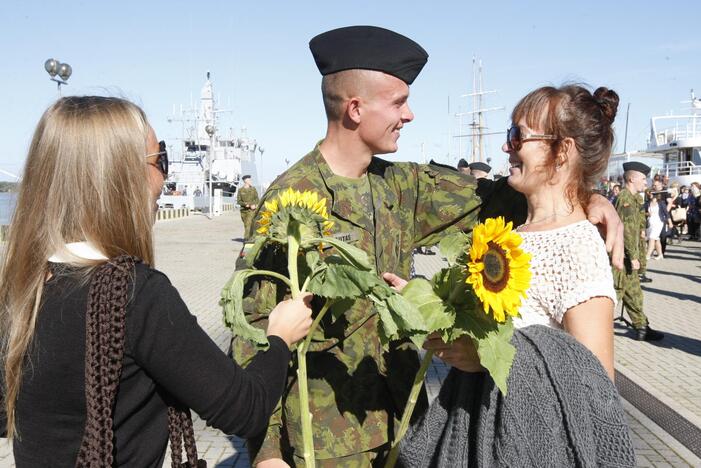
(167, 355)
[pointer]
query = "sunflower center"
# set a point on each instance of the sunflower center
(496, 268)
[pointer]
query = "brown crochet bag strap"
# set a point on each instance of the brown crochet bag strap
(105, 332)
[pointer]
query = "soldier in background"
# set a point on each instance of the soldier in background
(479, 170)
(247, 199)
(358, 389)
(627, 281)
(463, 166)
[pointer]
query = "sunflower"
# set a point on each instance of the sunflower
(499, 271)
(306, 207)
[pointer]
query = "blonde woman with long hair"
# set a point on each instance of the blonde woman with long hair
(100, 357)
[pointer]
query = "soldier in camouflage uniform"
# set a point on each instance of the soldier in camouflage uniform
(247, 199)
(627, 281)
(357, 388)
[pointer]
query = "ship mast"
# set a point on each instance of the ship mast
(477, 127)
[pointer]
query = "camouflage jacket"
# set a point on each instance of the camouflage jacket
(247, 196)
(628, 206)
(357, 389)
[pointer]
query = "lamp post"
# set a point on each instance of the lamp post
(64, 71)
(210, 131)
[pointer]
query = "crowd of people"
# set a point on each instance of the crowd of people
(676, 214)
(102, 362)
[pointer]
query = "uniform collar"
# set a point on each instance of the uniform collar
(376, 177)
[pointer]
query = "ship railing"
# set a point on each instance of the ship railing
(682, 168)
(690, 129)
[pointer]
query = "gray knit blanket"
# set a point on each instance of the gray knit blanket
(561, 410)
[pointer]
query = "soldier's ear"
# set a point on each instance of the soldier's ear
(353, 109)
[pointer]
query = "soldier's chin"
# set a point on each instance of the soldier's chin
(387, 150)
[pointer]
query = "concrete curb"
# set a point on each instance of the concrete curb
(672, 418)
(685, 413)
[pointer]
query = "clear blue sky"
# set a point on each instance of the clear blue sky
(157, 52)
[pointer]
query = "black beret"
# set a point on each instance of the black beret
(480, 166)
(245, 177)
(462, 163)
(368, 48)
(636, 166)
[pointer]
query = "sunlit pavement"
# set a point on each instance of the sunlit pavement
(198, 256)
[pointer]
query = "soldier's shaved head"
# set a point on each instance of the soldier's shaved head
(338, 87)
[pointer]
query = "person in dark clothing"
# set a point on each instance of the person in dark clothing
(663, 204)
(664, 201)
(59, 276)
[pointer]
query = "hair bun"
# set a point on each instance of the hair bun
(608, 101)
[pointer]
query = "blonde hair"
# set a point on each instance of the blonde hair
(85, 179)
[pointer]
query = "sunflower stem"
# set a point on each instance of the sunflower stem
(292, 252)
(409, 408)
(305, 414)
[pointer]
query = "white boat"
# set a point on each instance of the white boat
(674, 147)
(203, 161)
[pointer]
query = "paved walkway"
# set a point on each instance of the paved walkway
(198, 256)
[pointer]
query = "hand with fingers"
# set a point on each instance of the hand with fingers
(460, 354)
(291, 319)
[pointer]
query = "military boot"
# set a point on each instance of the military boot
(645, 279)
(648, 334)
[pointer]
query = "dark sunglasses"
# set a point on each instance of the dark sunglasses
(515, 140)
(162, 162)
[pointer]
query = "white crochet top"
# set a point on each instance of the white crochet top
(569, 266)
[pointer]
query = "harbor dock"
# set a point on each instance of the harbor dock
(660, 382)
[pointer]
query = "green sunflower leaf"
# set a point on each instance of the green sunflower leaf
(493, 343)
(252, 250)
(312, 257)
(437, 314)
(341, 280)
(353, 255)
(232, 303)
(454, 246)
(450, 285)
(407, 316)
(388, 330)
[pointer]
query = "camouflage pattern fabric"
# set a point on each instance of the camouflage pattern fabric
(357, 388)
(247, 196)
(627, 281)
(371, 458)
(643, 257)
(643, 241)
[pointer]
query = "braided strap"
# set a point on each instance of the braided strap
(105, 333)
(181, 433)
(105, 324)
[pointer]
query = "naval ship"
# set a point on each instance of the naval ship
(673, 148)
(206, 162)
